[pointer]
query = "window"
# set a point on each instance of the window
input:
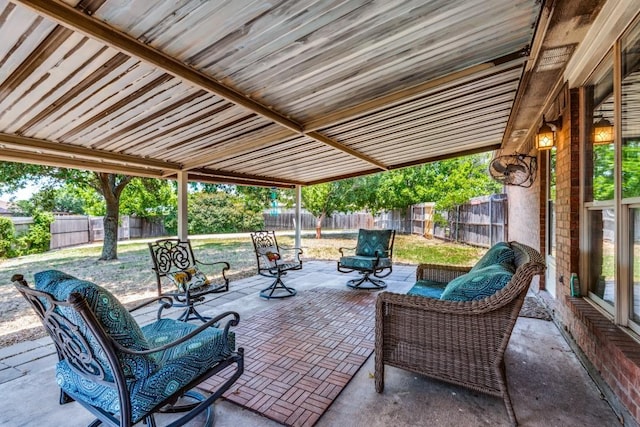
(612, 181)
(600, 187)
(630, 165)
(551, 202)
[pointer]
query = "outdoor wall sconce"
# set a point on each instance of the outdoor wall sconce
(546, 137)
(603, 132)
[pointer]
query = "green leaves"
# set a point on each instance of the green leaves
(447, 183)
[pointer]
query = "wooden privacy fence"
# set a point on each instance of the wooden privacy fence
(481, 222)
(70, 230)
(416, 219)
(286, 220)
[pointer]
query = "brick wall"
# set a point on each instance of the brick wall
(612, 353)
(567, 195)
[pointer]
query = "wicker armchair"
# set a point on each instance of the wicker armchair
(458, 342)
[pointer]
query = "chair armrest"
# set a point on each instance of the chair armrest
(345, 249)
(210, 323)
(440, 272)
(294, 256)
(167, 302)
(221, 275)
(291, 248)
(225, 265)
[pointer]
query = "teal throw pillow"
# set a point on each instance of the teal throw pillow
(478, 284)
(500, 253)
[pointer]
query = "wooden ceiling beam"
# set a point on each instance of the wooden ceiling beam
(243, 176)
(96, 29)
(21, 143)
(37, 158)
(214, 179)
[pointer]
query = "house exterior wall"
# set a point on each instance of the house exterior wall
(612, 353)
(523, 223)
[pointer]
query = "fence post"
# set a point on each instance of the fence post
(457, 222)
(490, 221)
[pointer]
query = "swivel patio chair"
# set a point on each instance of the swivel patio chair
(123, 373)
(181, 276)
(273, 263)
(371, 256)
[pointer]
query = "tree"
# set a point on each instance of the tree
(322, 200)
(14, 176)
(447, 183)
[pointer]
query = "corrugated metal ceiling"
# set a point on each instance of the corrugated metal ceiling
(271, 92)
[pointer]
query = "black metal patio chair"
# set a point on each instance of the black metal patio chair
(185, 279)
(121, 372)
(372, 256)
(272, 262)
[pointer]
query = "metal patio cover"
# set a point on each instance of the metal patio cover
(273, 93)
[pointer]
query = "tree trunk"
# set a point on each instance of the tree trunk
(111, 186)
(319, 226)
(110, 244)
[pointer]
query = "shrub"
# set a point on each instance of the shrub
(220, 212)
(38, 238)
(7, 237)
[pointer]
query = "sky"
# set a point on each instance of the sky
(24, 194)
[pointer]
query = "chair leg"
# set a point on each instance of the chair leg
(190, 313)
(502, 380)
(366, 282)
(277, 285)
(184, 407)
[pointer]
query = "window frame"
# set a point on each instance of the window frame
(621, 313)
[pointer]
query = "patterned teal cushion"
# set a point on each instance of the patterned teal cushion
(114, 318)
(178, 367)
(365, 263)
(371, 242)
(478, 284)
(500, 253)
(427, 288)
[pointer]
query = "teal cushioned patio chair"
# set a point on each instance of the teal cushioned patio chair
(371, 256)
(123, 373)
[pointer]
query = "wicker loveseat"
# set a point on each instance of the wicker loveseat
(461, 342)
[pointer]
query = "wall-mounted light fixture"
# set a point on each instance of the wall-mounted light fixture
(546, 137)
(603, 132)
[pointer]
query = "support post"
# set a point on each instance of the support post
(298, 242)
(183, 212)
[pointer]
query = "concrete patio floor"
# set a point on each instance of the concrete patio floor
(548, 385)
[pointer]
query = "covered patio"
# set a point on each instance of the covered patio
(295, 93)
(275, 94)
(549, 386)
